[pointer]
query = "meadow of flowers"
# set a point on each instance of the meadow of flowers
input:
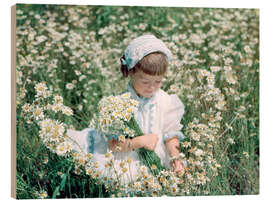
(67, 60)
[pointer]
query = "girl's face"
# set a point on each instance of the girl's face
(146, 85)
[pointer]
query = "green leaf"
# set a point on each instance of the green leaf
(55, 193)
(63, 182)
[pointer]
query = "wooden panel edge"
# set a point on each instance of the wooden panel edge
(13, 102)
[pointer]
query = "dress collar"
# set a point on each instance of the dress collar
(142, 100)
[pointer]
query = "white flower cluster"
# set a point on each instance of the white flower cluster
(114, 113)
(42, 90)
(59, 106)
(53, 136)
(52, 131)
(36, 110)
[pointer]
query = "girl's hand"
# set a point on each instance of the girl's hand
(118, 146)
(172, 146)
(112, 144)
(149, 141)
(178, 167)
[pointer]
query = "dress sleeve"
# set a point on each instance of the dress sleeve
(173, 113)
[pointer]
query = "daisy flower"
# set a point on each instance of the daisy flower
(70, 86)
(198, 152)
(38, 113)
(61, 149)
(246, 154)
(67, 111)
(56, 107)
(43, 194)
(174, 188)
(26, 108)
(58, 99)
(41, 88)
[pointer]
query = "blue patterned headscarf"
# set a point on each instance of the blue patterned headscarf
(142, 46)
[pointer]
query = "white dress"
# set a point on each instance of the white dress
(161, 114)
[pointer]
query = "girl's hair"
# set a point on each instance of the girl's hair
(155, 63)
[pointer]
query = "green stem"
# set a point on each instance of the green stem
(148, 157)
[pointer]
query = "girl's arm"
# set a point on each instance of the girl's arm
(148, 141)
(172, 146)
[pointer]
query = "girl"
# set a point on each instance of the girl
(145, 61)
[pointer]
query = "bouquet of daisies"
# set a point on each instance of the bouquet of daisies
(116, 120)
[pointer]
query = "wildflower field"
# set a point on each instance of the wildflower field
(67, 60)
